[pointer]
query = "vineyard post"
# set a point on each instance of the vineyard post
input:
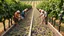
(3, 16)
(54, 20)
(60, 17)
(59, 25)
(9, 23)
(9, 18)
(4, 24)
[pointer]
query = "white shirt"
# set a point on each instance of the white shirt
(45, 13)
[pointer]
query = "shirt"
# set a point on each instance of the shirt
(23, 14)
(45, 13)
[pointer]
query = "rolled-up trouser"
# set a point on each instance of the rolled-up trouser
(45, 20)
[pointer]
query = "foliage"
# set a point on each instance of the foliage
(8, 8)
(53, 7)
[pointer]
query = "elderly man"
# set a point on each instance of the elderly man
(41, 16)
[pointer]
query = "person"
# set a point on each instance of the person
(16, 16)
(23, 14)
(42, 16)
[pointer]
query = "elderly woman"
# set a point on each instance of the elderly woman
(16, 16)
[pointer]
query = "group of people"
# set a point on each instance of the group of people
(43, 16)
(19, 15)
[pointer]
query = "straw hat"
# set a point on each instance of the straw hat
(39, 9)
(18, 11)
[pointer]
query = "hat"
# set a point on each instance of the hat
(18, 11)
(39, 9)
(25, 10)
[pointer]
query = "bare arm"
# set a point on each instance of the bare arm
(40, 15)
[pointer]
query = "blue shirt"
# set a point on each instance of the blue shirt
(23, 14)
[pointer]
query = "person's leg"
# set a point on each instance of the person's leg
(43, 20)
(15, 21)
(46, 20)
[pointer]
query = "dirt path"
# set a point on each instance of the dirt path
(39, 29)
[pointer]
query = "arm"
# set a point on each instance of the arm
(39, 15)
